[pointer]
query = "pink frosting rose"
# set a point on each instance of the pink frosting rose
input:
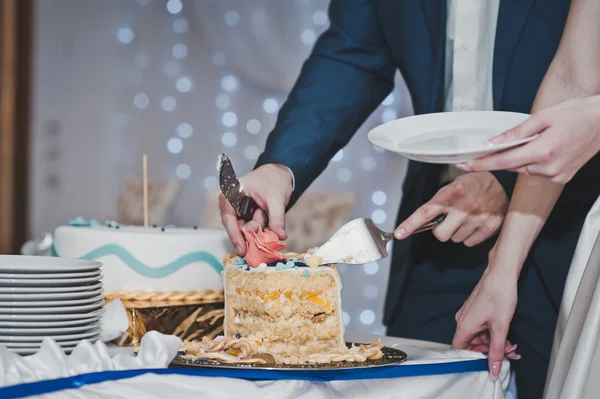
(263, 247)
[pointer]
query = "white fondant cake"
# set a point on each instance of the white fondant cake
(148, 259)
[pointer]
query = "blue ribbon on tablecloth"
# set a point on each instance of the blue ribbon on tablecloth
(406, 370)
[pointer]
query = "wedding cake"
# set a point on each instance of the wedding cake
(167, 271)
(280, 308)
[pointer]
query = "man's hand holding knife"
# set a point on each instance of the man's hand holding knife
(245, 203)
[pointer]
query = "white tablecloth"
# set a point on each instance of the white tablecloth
(157, 350)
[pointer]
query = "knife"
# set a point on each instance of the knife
(233, 191)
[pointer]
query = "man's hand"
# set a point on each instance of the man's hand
(270, 186)
(475, 205)
(483, 321)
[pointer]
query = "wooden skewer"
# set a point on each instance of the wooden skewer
(145, 166)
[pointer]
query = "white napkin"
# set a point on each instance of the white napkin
(114, 322)
(156, 351)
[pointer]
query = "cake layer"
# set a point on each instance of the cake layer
(282, 292)
(148, 259)
(289, 312)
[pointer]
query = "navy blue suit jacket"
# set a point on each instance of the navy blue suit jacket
(351, 70)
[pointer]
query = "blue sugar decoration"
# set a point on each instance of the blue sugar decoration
(306, 273)
(240, 261)
(283, 266)
(280, 266)
(79, 222)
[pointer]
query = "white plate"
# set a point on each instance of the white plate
(447, 137)
(41, 305)
(51, 323)
(51, 317)
(50, 296)
(41, 290)
(36, 264)
(32, 332)
(28, 276)
(8, 338)
(58, 310)
(11, 282)
(31, 351)
(71, 343)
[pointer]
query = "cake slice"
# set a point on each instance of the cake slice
(287, 309)
(280, 310)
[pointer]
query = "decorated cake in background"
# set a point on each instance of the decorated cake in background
(280, 308)
(168, 278)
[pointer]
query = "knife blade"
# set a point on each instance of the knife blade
(233, 190)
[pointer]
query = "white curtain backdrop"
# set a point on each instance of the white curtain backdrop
(184, 81)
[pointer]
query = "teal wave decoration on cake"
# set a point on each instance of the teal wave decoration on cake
(141, 268)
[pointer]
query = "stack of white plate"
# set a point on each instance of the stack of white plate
(49, 297)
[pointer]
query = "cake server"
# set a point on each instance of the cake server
(358, 242)
(233, 190)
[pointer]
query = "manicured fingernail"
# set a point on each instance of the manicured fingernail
(239, 249)
(512, 349)
(495, 371)
(464, 166)
(516, 356)
(400, 233)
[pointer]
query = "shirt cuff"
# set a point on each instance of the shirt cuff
(293, 177)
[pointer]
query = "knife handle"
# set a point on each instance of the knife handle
(247, 208)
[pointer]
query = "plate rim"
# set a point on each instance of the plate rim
(52, 317)
(376, 135)
(22, 297)
(41, 263)
(24, 330)
(44, 282)
(27, 339)
(49, 276)
(53, 303)
(49, 310)
(45, 289)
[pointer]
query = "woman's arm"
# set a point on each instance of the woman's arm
(490, 308)
(573, 73)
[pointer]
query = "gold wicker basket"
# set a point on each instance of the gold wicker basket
(188, 315)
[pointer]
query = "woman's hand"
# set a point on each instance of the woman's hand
(474, 204)
(569, 138)
(484, 319)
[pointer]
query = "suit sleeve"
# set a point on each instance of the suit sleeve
(348, 74)
(507, 180)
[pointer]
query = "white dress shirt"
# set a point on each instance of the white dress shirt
(470, 36)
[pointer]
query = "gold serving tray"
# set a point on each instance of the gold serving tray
(390, 357)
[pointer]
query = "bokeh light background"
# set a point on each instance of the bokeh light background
(184, 81)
